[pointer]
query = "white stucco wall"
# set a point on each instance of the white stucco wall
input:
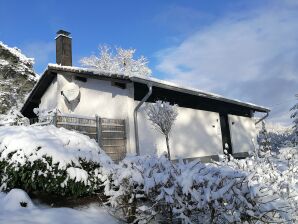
(96, 97)
(49, 100)
(196, 133)
(243, 133)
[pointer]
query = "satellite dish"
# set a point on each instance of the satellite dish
(71, 91)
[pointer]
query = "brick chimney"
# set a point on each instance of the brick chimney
(63, 48)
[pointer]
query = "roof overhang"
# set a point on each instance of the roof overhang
(174, 87)
(33, 100)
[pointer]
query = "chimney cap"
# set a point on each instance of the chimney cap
(63, 32)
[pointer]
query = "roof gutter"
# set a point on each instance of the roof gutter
(135, 117)
(262, 118)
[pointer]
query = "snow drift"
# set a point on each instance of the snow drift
(16, 199)
(17, 208)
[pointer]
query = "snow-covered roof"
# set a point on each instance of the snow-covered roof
(53, 69)
(159, 83)
(80, 70)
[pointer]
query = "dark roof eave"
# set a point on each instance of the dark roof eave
(202, 94)
(40, 87)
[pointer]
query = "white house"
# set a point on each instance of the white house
(205, 124)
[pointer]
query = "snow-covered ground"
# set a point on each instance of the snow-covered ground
(140, 188)
(13, 213)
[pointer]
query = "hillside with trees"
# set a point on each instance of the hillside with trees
(17, 77)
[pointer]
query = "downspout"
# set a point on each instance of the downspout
(135, 117)
(262, 118)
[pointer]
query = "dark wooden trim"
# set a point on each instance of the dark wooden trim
(34, 97)
(120, 85)
(240, 155)
(36, 101)
(190, 101)
(81, 79)
(225, 132)
(204, 159)
(190, 91)
(93, 76)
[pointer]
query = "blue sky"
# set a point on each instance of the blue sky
(241, 49)
(147, 26)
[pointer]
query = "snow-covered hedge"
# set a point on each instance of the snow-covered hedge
(49, 159)
(151, 188)
(279, 171)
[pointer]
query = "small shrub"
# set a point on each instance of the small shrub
(50, 160)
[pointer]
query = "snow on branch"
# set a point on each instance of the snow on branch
(162, 116)
(120, 62)
(18, 53)
(264, 141)
(145, 189)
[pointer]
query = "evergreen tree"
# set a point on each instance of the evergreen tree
(294, 116)
(17, 78)
(264, 141)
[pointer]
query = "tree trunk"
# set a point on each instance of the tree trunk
(168, 147)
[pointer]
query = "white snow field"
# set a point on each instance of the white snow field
(13, 213)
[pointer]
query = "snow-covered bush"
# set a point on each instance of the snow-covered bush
(146, 188)
(45, 116)
(279, 171)
(13, 117)
(50, 160)
(135, 182)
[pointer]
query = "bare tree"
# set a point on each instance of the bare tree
(118, 61)
(163, 115)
